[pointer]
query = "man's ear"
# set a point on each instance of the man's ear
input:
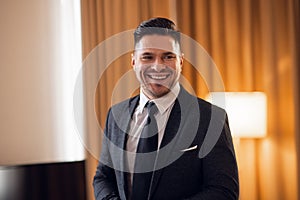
(133, 61)
(181, 59)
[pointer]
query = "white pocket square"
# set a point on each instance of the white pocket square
(189, 149)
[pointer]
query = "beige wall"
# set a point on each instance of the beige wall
(35, 86)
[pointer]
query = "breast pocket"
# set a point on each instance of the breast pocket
(185, 171)
(188, 158)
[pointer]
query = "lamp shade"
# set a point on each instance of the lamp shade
(247, 112)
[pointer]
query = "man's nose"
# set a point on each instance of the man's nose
(158, 60)
(158, 66)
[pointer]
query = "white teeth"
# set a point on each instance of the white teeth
(158, 77)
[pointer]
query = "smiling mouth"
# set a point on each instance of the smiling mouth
(158, 77)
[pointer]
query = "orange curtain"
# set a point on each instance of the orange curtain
(251, 42)
(296, 14)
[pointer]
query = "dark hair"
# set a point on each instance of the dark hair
(160, 26)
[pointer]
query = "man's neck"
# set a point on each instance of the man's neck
(173, 90)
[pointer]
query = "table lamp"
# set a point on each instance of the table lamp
(247, 112)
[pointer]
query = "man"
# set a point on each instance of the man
(165, 143)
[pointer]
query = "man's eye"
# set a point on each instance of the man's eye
(148, 57)
(169, 57)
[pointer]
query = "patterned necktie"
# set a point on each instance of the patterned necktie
(144, 164)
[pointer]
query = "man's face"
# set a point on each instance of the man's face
(157, 62)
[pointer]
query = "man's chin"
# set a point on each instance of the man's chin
(158, 90)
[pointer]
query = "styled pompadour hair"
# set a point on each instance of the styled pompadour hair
(159, 26)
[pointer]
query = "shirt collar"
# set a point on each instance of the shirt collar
(162, 103)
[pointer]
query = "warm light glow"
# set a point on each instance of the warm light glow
(246, 112)
(70, 40)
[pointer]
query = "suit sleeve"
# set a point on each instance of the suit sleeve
(105, 185)
(220, 171)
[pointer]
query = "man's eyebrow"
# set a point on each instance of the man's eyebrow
(164, 53)
(147, 53)
(169, 52)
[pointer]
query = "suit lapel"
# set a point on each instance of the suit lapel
(124, 120)
(178, 134)
(170, 132)
(172, 125)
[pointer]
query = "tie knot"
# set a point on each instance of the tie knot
(152, 108)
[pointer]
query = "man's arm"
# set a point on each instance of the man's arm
(105, 184)
(220, 171)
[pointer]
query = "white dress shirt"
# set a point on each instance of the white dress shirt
(164, 105)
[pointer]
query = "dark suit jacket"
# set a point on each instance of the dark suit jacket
(196, 158)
